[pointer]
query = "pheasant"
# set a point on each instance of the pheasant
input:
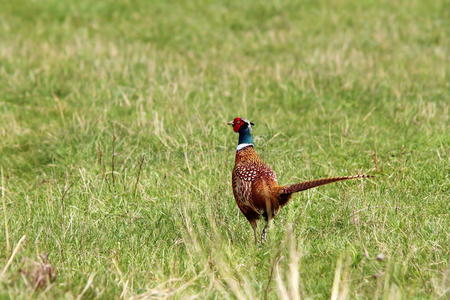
(255, 186)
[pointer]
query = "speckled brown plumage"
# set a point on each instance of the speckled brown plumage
(255, 185)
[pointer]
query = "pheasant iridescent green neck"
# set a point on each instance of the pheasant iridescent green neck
(245, 138)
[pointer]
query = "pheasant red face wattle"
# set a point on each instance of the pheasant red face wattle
(237, 123)
(237, 126)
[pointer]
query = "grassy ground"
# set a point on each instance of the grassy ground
(115, 158)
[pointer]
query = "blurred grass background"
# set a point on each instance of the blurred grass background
(116, 161)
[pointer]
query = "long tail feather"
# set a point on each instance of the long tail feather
(297, 187)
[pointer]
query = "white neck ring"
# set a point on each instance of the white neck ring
(241, 146)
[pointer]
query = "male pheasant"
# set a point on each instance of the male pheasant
(255, 186)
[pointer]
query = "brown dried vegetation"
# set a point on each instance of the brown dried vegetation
(38, 274)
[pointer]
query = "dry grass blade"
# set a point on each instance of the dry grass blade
(294, 276)
(11, 258)
(87, 286)
(163, 292)
(341, 281)
(337, 277)
(141, 162)
(5, 216)
(291, 290)
(281, 288)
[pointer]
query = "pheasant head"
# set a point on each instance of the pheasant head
(239, 123)
(244, 128)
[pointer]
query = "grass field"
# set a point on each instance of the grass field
(116, 161)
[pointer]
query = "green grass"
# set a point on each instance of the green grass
(333, 87)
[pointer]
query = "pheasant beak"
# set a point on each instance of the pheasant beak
(230, 123)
